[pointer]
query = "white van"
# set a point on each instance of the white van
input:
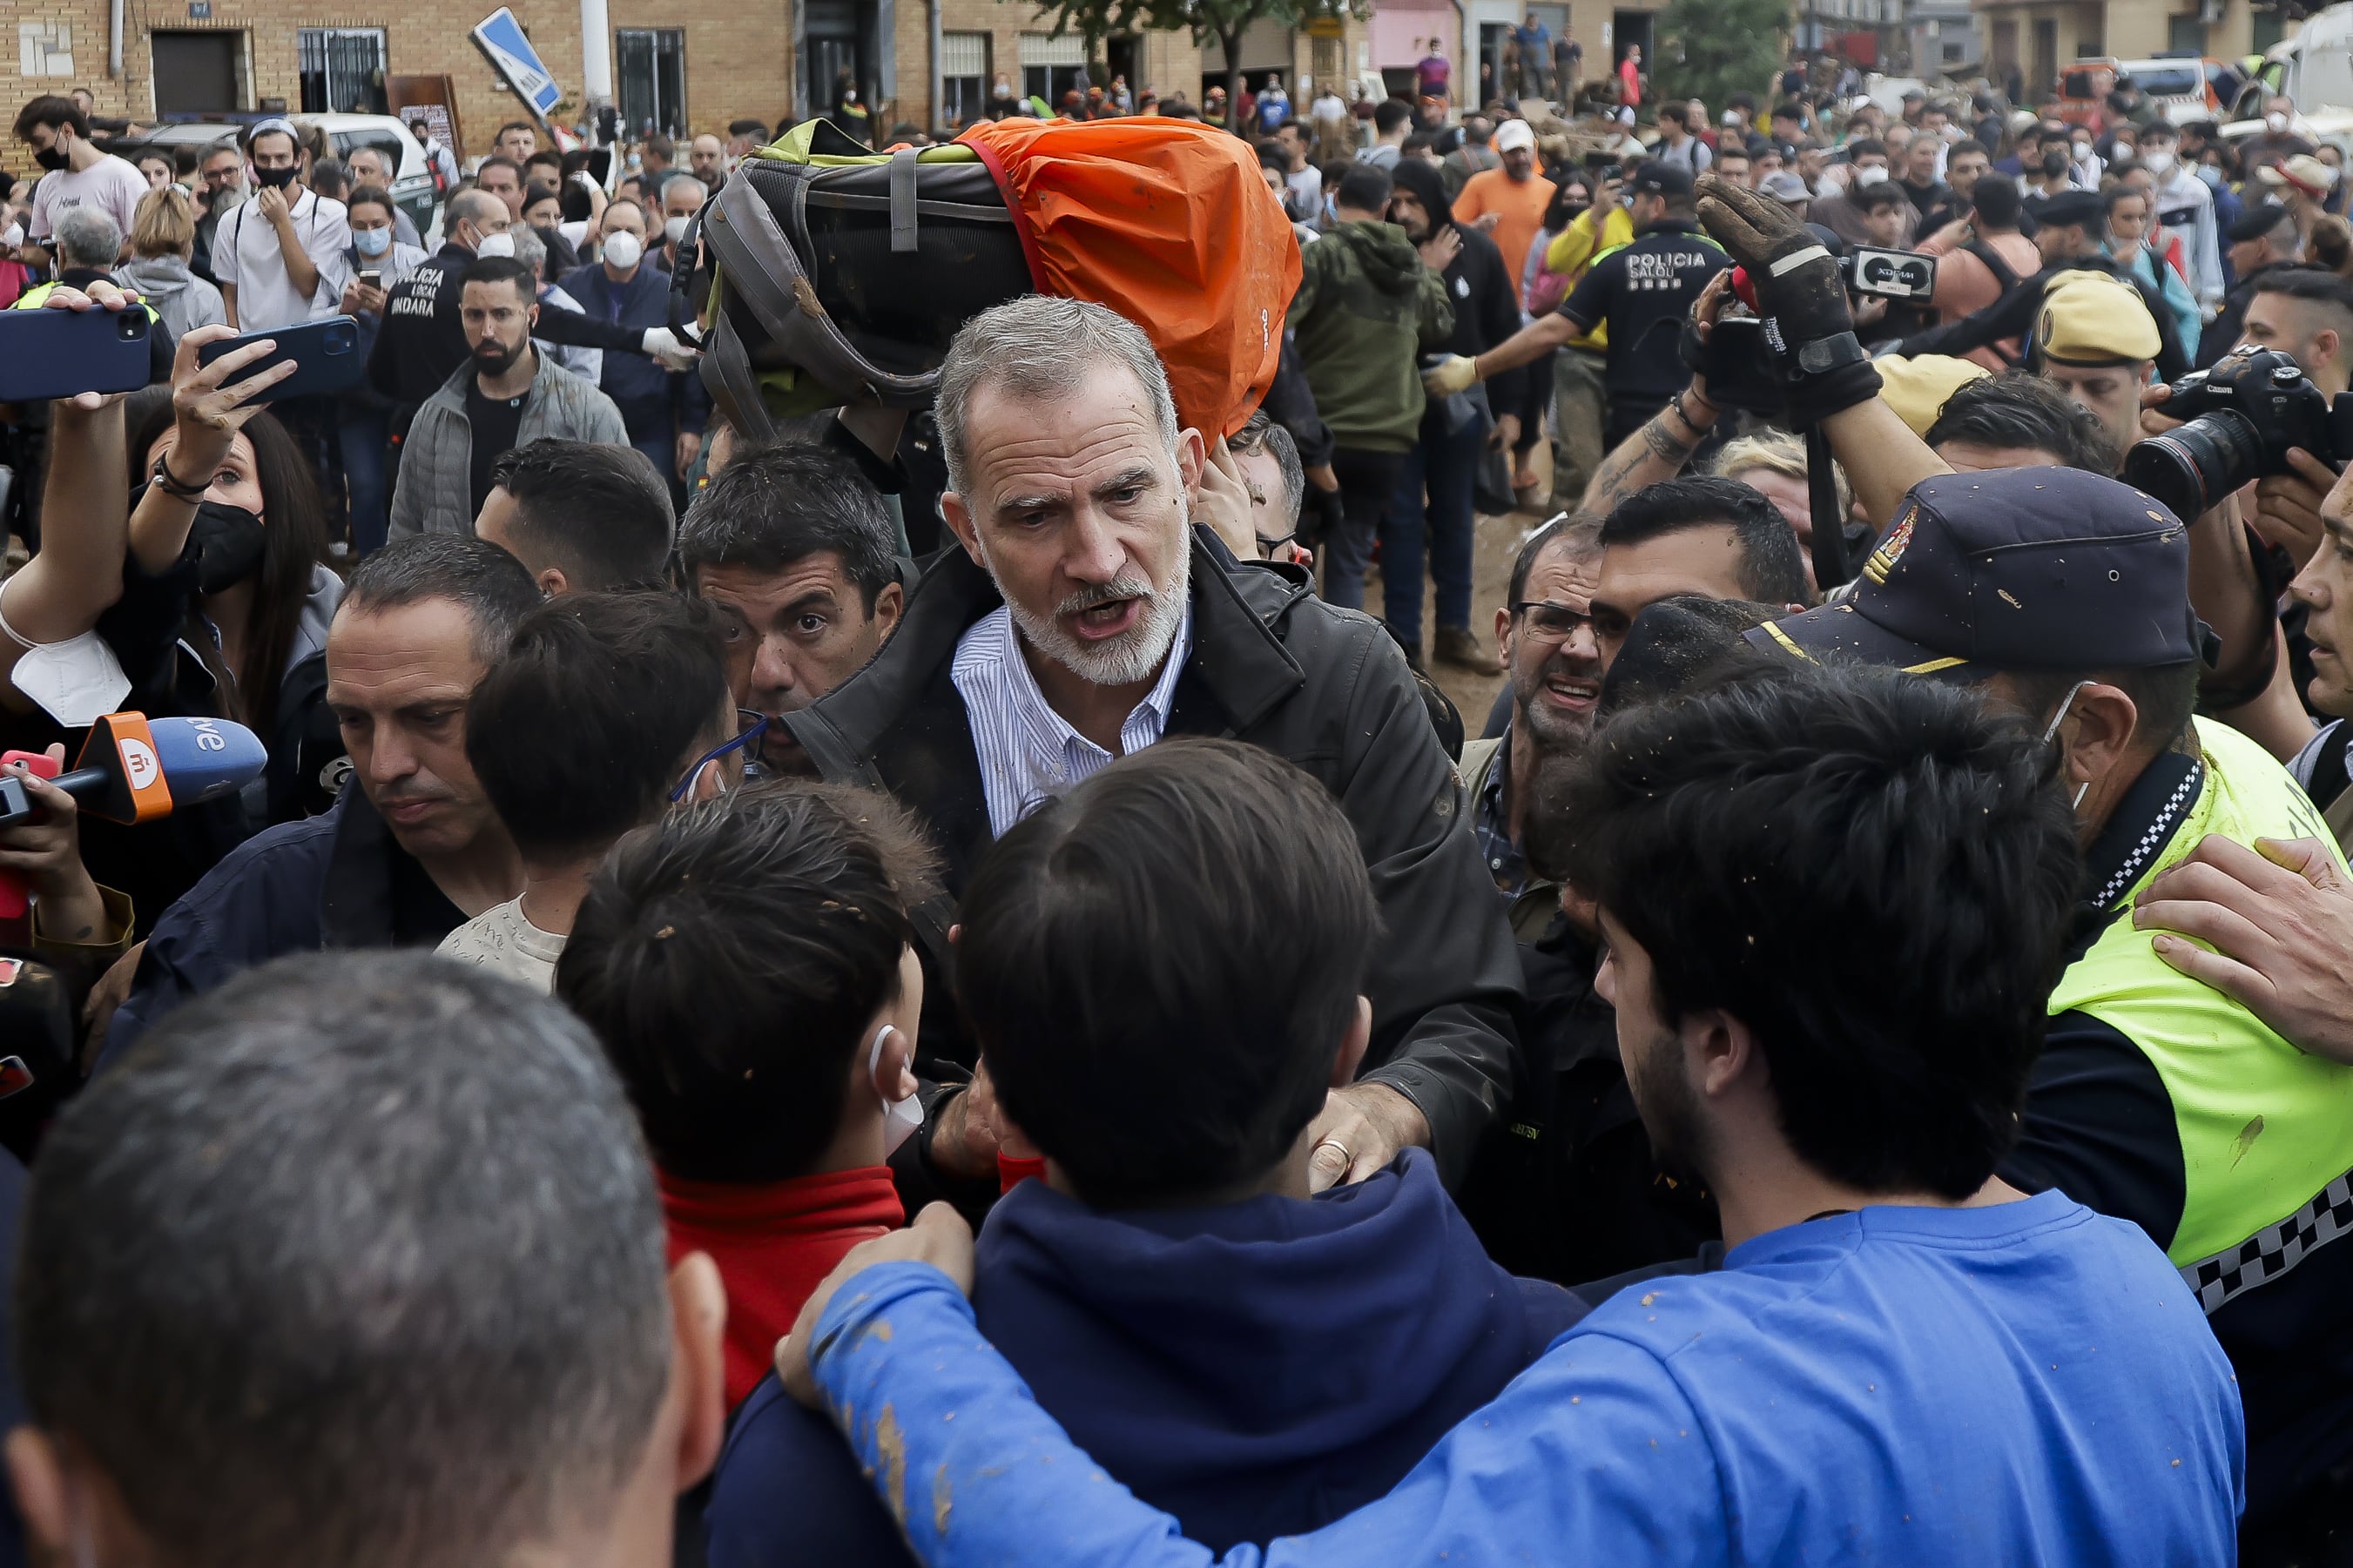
(2315, 68)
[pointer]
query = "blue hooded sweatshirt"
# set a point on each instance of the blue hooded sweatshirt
(1257, 1369)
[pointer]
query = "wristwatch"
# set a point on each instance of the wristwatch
(161, 476)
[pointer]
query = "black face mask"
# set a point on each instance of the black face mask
(277, 179)
(229, 541)
(52, 157)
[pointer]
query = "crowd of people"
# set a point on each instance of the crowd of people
(940, 988)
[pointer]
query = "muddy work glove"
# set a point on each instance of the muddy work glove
(1799, 295)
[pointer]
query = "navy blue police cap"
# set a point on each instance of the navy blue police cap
(2025, 569)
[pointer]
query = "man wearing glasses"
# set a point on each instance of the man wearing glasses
(1545, 633)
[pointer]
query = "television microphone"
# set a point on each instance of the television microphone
(134, 769)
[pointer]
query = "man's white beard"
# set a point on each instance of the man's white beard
(1135, 654)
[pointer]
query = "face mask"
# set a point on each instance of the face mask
(500, 243)
(13, 236)
(1869, 177)
(51, 158)
(902, 1119)
(674, 229)
(2159, 162)
(2211, 175)
(2275, 123)
(276, 179)
(623, 249)
(372, 241)
(229, 541)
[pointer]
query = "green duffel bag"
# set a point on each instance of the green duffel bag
(830, 275)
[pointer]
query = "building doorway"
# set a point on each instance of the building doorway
(198, 75)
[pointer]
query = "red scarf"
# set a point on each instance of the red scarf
(772, 1244)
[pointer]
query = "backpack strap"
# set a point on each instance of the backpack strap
(902, 200)
(2004, 278)
(760, 266)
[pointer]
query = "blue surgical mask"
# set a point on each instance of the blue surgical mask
(372, 241)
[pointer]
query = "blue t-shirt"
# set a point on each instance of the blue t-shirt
(2025, 1383)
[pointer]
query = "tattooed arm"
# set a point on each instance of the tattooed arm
(1656, 451)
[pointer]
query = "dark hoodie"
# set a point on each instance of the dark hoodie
(1486, 296)
(1366, 310)
(1257, 1369)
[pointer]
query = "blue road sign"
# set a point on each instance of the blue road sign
(499, 37)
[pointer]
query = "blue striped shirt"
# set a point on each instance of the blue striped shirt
(1028, 751)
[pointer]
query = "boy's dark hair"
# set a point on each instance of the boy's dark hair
(600, 511)
(490, 584)
(585, 724)
(1391, 113)
(1771, 569)
(2015, 409)
(1364, 188)
(754, 128)
(51, 110)
(1864, 147)
(1114, 963)
(516, 125)
(1726, 831)
(728, 957)
(392, 1209)
(1967, 144)
(776, 505)
(1885, 194)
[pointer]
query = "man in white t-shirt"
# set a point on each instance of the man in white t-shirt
(78, 174)
(280, 256)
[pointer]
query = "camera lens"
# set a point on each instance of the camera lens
(2194, 466)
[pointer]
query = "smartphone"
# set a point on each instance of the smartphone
(59, 354)
(1740, 369)
(326, 354)
(370, 278)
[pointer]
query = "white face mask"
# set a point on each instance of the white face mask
(1868, 175)
(902, 1119)
(2049, 733)
(500, 243)
(674, 229)
(2275, 122)
(623, 249)
(2158, 162)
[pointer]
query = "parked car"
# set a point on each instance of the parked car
(412, 180)
(2315, 68)
(2187, 88)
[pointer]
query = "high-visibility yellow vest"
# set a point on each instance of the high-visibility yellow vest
(1575, 249)
(2266, 1130)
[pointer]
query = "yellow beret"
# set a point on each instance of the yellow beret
(1917, 387)
(2090, 318)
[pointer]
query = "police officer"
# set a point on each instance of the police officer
(423, 342)
(1641, 292)
(2066, 597)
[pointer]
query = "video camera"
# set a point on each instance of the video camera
(2241, 417)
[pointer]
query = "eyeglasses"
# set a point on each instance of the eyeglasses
(1549, 622)
(1267, 547)
(754, 726)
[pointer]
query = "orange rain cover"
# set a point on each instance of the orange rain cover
(1168, 222)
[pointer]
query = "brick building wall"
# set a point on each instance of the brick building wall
(739, 59)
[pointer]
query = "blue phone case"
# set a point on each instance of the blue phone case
(326, 354)
(58, 353)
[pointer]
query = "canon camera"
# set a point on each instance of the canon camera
(2241, 416)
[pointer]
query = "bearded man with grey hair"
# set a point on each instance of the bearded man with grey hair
(1084, 617)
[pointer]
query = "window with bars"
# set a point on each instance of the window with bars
(651, 79)
(964, 78)
(343, 70)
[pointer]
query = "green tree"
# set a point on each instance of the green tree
(1710, 49)
(1221, 22)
